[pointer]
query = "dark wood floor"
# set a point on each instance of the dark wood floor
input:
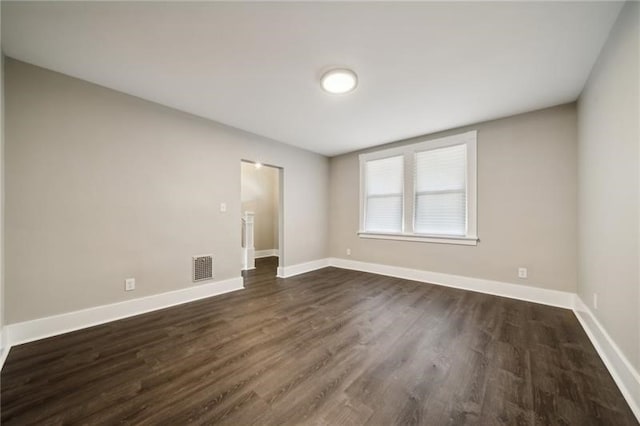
(332, 347)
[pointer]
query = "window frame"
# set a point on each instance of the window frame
(408, 213)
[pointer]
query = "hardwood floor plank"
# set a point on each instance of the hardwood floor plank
(331, 347)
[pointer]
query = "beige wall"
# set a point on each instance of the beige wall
(260, 196)
(609, 138)
(101, 186)
(526, 207)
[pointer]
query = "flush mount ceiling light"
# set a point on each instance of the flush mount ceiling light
(338, 81)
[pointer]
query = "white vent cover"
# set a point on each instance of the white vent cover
(202, 267)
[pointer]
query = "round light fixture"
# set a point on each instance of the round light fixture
(338, 81)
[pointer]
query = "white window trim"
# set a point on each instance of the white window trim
(408, 151)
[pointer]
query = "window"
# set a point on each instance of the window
(421, 192)
(385, 182)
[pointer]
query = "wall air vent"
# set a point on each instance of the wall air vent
(202, 267)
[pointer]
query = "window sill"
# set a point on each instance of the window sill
(439, 239)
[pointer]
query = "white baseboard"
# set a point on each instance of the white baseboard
(620, 368)
(4, 348)
(266, 253)
(557, 298)
(545, 296)
(301, 268)
(41, 328)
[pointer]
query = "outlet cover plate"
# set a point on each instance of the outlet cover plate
(522, 272)
(129, 284)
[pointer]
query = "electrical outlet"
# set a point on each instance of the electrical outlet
(223, 207)
(595, 300)
(129, 284)
(522, 272)
(348, 252)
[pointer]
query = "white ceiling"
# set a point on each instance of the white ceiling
(422, 67)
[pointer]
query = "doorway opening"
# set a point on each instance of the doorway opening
(261, 210)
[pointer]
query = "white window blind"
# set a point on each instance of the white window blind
(422, 192)
(441, 191)
(384, 194)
